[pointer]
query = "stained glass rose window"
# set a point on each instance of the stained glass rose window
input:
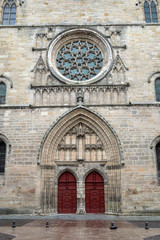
(79, 56)
(79, 60)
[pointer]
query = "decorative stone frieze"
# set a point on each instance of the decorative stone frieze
(92, 95)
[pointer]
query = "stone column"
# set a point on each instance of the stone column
(80, 189)
(80, 198)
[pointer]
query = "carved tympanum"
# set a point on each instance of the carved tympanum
(80, 142)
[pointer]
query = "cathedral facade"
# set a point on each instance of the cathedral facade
(80, 106)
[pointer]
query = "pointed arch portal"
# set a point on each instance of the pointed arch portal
(81, 141)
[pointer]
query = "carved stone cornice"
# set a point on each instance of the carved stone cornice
(94, 146)
(67, 146)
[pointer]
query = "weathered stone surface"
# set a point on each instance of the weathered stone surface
(40, 110)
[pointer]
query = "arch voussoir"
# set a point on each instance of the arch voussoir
(80, 142)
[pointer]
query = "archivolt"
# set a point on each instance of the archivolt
(97, 169)
(6, 141)
(7, 81)
(83, 115)
(155, 141)
(61, 171)
(109, 169)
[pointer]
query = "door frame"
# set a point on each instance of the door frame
(103, 189)
(58, 191)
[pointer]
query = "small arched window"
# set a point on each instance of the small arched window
(150, 11)
(9, 13)
(158, 160)
(147, 12)
(157, 89)
(154, 12)
(2, 156)
(2, 93)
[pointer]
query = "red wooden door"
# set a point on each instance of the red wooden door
(94, 193)
(67, 193)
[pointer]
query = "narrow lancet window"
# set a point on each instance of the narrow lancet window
(147, 12)
(2, 156)
(9, 13)
(150, 11)
(158, 160)
(2, 93)
(154, 12)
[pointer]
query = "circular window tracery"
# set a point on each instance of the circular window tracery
(80, 56)
(79, 60)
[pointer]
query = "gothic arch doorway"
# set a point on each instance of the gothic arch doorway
(94, 193)
(67, 193)
(80, 140)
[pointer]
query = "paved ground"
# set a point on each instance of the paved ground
(78, 227)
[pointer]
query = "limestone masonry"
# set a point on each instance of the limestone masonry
(80, 106)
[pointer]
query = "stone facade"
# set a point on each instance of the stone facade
(109, 124)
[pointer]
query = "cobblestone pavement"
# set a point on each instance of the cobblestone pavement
(91, 227)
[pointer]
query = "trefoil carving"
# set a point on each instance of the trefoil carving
(117, 74)
(40, 72)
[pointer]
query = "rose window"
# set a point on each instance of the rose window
(79, 60)
(79, 56)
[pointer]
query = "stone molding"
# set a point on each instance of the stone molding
(154, 142)
(149, 1)
(87, 144)
(117, 74)
(52, 166)
(114, 106)
(81, 171)
(81, 33)
(7, 81)
(40, 65)
(7, 157)
(17, 2)
(118, 61)
(6, 141)
(9, 85)
(153, 76)
(92, 94)
(80, 112)
(61, 170)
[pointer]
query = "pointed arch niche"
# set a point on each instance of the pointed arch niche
(81, 141)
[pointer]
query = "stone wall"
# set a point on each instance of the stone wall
(136, 127)
(18, 60)
(124, 100)
(79, 12)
